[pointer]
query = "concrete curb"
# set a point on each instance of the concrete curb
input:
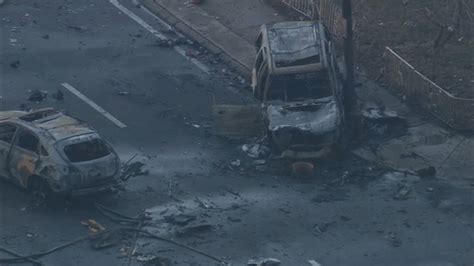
(189, 29)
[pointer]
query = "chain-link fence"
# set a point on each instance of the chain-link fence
(454, 111)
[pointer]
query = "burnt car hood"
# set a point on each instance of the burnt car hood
(316, 116)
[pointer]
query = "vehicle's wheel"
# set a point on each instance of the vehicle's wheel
(39, 191)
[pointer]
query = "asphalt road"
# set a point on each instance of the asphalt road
(335, 218)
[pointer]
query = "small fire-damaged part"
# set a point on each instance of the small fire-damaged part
(50, 153)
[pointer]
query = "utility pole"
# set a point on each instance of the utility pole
(349, 95)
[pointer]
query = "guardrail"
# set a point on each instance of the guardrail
(456, 112)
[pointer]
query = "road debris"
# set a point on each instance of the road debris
(403, 193)
(393, 238)
(180, 219)
(205, 203)
(152, 260)
(193, 230)
(45, 36)
(37, 96)
(323, 227)
(132, 170)
(58, 95)
(77, 28)
(123, 93)
(382, 123)
(314, 263)
(264, 262)
(93, 225)
(231, 191)
(15, 64)
(255, 150)
(236, 163)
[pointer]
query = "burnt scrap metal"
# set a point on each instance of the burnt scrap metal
(305, 126)
(379, 123)
(299, 83)
(47, 152)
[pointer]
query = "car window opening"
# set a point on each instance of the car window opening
(86, 151)
(7, 132)
(28, 141)
(300, 87)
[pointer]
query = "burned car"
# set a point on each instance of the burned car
(47, 151)
(296, 76)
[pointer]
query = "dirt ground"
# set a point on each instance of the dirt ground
(435, 36)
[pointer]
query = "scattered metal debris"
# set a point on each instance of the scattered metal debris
(180, 219)
(132, 170)
(314, 263)
(379, 122)
(37, 95)
(403, 193)
(93, 225)
(264, 262)
(323, 227)
(194, 230)
(236, 163)
(255, 150)
(206, 204)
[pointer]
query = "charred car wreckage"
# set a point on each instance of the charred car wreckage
(47, 151)
(297, 79)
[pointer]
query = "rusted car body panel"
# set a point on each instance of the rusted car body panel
(304, 129)
(34, 145)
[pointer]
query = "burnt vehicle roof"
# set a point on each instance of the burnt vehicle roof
(294, 40)
(55, 123)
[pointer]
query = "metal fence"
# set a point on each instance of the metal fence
(328, 11)
(308, 8)
(454, 111)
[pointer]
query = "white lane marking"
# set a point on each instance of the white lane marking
(138, 20)
(93, 105)
(160, 36)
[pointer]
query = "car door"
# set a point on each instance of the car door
(7, 134)
(24, 157)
